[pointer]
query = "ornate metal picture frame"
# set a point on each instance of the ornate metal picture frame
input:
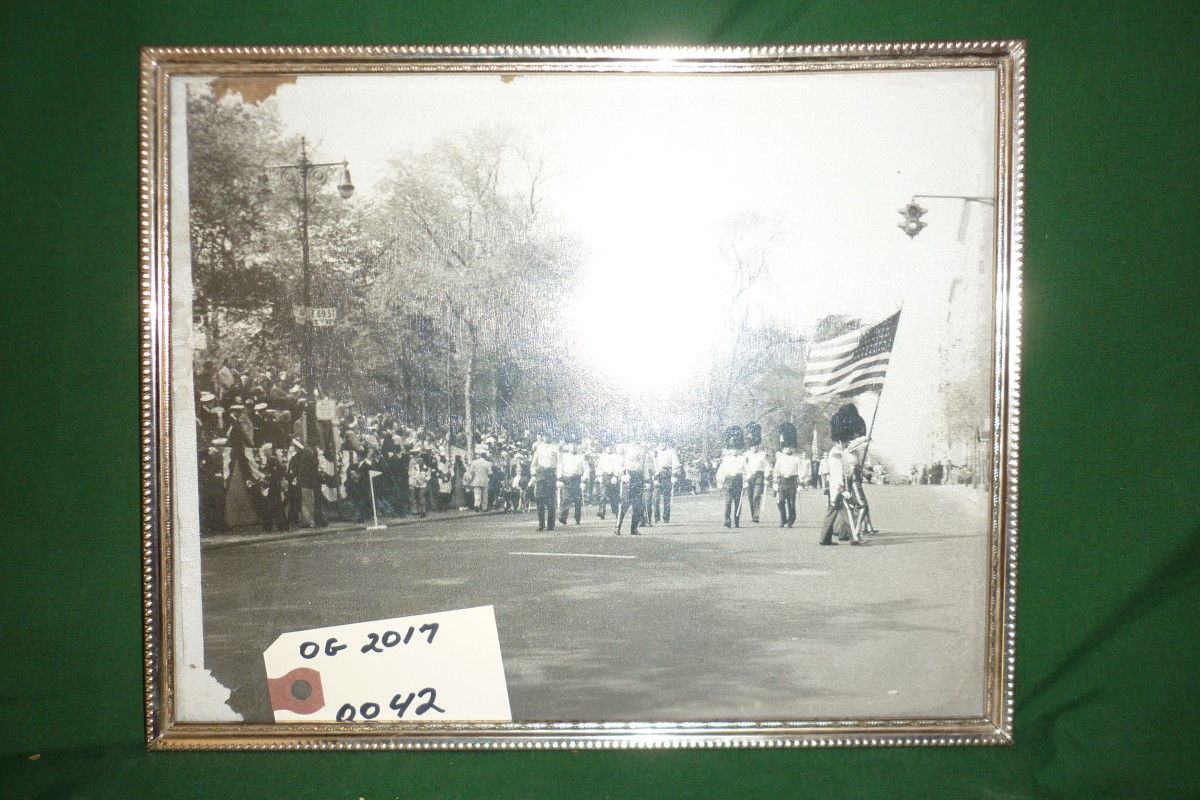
(758, 307)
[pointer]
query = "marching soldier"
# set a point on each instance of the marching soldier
(849, 429)
(609, 468)
(787, 475)
(545, 474)
(756, 469)
(633, 484)
(731, 475)
(572, 469)
(666, 465)
(649, 485)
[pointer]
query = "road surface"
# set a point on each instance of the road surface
(691, 621)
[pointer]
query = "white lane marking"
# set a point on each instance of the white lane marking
(570, 555)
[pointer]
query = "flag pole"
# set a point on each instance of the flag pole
(879, 399)
(865, 520)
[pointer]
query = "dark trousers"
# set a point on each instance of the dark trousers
(837, 523)
(543, 494)
(419, 501)
(610, 494)
(633, 499)
(733, 500)
(787, 500)
(662, 500)
(754, 488)
(572, 496)
(276, 511)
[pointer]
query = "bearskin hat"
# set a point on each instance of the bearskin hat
(846, 424)
(788, 436)
(734, 438)
(754, 433)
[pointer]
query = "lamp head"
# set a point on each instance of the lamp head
(345, 187)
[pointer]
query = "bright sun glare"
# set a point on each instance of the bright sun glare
(645, 328)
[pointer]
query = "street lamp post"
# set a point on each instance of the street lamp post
(345, 188)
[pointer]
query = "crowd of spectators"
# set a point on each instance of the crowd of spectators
(940, 473)
(274, 455)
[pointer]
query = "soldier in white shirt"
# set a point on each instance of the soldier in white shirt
(572, 469)
(731, 474)
(666, 466)
(633, 485)
(840, 516)
(609, 469)
(545, 476)
(786, 474)
(848, 429)
(649, 485)
(757, 467)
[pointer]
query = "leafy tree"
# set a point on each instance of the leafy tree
(748, 347)
(232, 273)
(470, 245)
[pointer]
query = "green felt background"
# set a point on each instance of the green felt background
(1108, 654)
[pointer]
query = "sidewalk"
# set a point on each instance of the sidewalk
(250, 535)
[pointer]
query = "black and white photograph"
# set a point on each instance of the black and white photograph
(508, 398)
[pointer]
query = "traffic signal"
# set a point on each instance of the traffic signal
(912, 223)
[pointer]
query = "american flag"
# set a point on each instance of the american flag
(851, 362)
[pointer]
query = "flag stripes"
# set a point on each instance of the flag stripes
(853, 362)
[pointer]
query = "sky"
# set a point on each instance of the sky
(649, 170)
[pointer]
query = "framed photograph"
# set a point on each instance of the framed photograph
(580, 397)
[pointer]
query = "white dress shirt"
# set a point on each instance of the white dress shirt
(731, 465)
(787, 466)
(666, 459)
(756, 462)
(571, 465)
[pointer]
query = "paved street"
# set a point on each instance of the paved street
(690, 621)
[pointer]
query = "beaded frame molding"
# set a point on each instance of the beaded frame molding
(178, 685)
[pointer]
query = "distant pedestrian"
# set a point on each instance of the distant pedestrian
(418, 481)
(480, 473)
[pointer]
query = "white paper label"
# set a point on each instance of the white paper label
(427, 668)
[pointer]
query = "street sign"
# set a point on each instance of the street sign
(326, 408)
(324, 317)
